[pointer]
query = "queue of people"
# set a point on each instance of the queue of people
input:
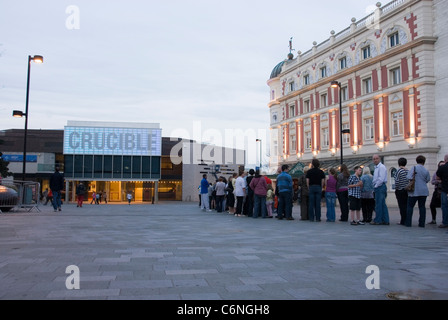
(359, 194)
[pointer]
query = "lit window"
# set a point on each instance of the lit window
(325, 138)
(397, 124)
(308, 140)
(394, 40)
(369, 129)
(395, 76)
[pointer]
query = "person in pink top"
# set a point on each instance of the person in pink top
(260, 187)
(330, 194)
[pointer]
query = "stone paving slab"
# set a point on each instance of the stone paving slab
(175, 251)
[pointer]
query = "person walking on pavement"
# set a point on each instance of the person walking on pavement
(420, 192)
(56, 186)
(80, 191)
(380, 190)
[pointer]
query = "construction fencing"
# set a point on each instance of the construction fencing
(16, 195)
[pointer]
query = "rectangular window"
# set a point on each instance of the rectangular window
(291, 86)
(365, 52)
(346, 137)
(342, 63)
(107, 172)
(292, 111)
(97, 166)
(127, 166)
(146, 167)
(306, 79)
(325, 138)
(323, 72)
(323, 100)
(292, 143)
(397, 124)
(79, 161)
(136, 167)
(394, 40)
(344, 94)
(308, 140)
(117, 166)
(367, 85)
(88, 166)
(155, 167)
(306, 106)
(369, 129)
(68, 166)
(395, 76)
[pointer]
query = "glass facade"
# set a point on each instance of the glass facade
(112, 167)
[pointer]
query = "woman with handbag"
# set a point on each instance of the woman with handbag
(420, 176)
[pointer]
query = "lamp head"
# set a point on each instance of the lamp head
(335, 84)
(18, 114)
(38, 59)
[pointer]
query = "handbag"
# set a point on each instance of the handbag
(411, 185)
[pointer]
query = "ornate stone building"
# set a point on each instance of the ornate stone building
(392, 74)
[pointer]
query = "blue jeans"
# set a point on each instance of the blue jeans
(56, 199)
(421, 208)
(315, 196)
(259, 206)
(444, 199)
(330, 198)
(219, 203)
(284, 209)
(382, 213)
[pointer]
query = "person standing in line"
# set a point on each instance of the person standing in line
(80, 191)
(354, 196)
(330, 194)
(442, 173)
(401, 181)
(367, 199)
(420, 193)
(342, 191)
(380, 190)
(284, 187)
(315, 179)
(248, 207)
(304, 195)
(56, 186)
(259, 186)
(205, 201)
(269, 200)
(436, 201)
(230, 196)
(220, 188)
(240, 193)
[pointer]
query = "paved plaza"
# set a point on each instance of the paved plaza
(175, 251)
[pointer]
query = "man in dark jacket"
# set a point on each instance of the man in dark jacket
(56, 186)
(442, 173)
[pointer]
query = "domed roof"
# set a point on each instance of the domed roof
(277, 70)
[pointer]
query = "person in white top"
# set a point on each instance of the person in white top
(380, 190)
(240, 193)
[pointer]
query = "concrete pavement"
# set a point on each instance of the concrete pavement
(175, 251)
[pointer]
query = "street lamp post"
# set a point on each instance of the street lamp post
(336, 84)
(259, 140)
(19, 114)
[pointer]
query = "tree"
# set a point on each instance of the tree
(4, 172)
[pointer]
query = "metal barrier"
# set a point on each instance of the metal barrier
(20, 195)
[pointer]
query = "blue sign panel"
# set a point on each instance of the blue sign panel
(19, 158)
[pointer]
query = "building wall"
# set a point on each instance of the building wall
(419, 28)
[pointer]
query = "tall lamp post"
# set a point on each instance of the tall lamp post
(337, 84)
(19, 114)
(259, 140)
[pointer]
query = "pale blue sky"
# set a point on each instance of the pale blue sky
(175, 62)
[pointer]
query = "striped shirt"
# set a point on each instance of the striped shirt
(401, 181)
(356, 191)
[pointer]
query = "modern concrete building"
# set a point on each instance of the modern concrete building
(392, 76)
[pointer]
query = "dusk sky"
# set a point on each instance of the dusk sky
(197, 67)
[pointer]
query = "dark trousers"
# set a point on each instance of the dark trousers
(367, 205)
(284, 209)
(421, 208)
(435, 203)
(219, 203)
(248, 208)
(343, 203)
(402, 200)
(239, 205)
